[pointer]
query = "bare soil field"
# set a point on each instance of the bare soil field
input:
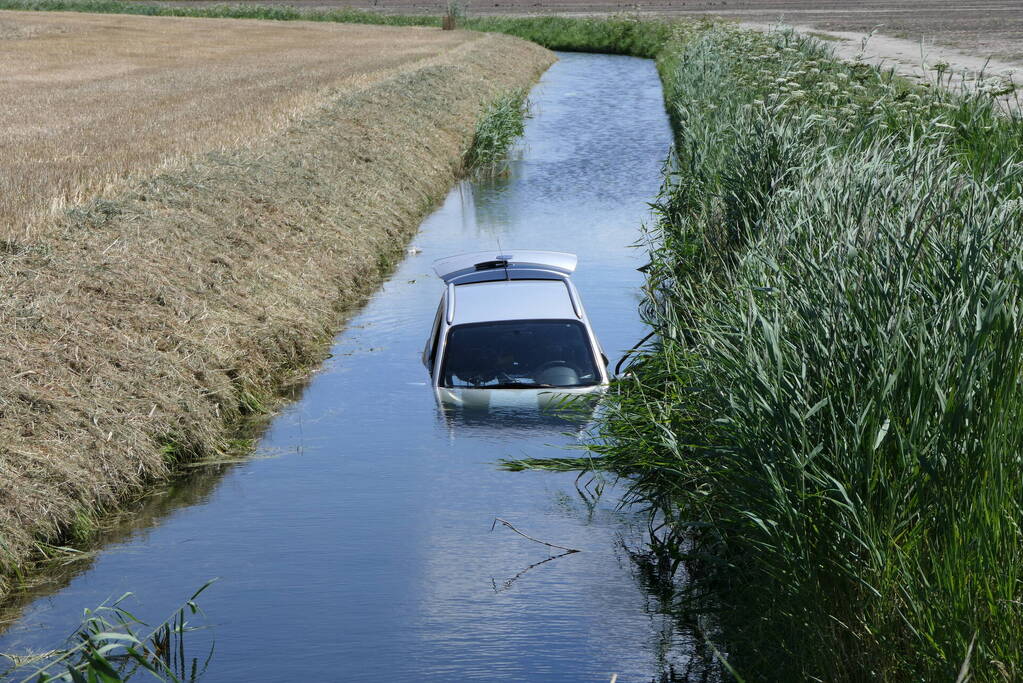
(985, 28)
(90, 99)
(141, 327)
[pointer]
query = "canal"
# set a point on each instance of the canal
(356, 544)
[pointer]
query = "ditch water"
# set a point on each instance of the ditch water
(360, 547)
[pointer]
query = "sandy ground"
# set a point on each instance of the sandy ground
(89, 99)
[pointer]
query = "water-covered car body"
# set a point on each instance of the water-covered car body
(511, 330)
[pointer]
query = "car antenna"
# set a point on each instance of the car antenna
(501, 256)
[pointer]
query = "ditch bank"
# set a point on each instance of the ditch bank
(142, 330)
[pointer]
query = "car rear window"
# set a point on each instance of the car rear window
(519, 354)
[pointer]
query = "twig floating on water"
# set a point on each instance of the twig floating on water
(535, 540)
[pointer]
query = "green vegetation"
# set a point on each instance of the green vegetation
(112, 645)
(454, 14)
(502, 121)
(831, 411)
(622, 35)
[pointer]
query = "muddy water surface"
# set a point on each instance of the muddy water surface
(363, 550)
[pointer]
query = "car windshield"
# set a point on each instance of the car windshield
(519, 354)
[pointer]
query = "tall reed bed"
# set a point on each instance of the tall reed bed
(832, 408)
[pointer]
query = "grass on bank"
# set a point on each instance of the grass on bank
(833, 404)
(500, 124)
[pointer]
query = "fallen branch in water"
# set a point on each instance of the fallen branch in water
(535, 540)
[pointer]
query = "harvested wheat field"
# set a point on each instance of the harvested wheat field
(92, 99)
(256, 180)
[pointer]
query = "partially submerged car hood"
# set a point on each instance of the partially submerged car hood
(484, 399)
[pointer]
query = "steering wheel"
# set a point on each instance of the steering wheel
(553, 364)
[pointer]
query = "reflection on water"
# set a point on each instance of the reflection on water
(505, 422)
(129, 524)
(364, 550)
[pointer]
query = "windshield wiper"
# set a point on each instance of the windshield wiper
(517, 385)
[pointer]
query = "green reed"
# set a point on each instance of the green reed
(112, 645)
(501, 123)
(831, 410)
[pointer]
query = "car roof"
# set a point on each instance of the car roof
(513, 300)
(497, 265)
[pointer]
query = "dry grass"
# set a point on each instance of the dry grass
(89, 100)
(140, 326)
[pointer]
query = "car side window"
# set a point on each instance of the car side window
(434, 341)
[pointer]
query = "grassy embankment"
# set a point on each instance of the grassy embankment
(143, 325)
(831, 411)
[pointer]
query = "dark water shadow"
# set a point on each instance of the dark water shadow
(129, 523)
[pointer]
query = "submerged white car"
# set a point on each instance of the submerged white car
(511, 331)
